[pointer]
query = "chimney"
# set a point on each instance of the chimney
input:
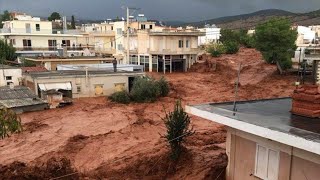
(306, 101)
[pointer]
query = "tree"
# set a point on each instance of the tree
(7, 52)
(9, 123)
(5, 17)
(177, 124)
(73, 22)
(276, 41)
(54, 16)
(231, 47)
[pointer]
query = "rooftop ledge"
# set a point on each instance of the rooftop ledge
(270, 118)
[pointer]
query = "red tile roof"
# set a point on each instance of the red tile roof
(34, 69)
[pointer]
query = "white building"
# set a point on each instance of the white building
(305, 36)
(32, 37)
(212, 35)
(10, 75)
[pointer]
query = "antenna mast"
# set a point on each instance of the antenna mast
(236, 92)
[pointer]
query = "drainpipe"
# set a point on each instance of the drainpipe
(86, 76)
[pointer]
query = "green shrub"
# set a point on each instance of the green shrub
(144, 89)
(177, 124)
(120, 97)
(162, 87)
(9, 123)
(247, 41)
(231, 47)
(216, 50)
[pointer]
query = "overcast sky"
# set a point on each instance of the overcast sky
(182, 10)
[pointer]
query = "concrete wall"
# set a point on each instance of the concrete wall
(17, 26)
(88, 85)
(16, 74)
(294, 164)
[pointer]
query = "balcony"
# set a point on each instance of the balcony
(178, 51)
(104, 50)
(53, 48)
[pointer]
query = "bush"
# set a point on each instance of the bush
(177, 124)
(162, 87)
(120, 97)
(231, 47)
(247, 41)
(216, 50)
(144, 89)
(9, 123)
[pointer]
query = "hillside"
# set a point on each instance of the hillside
(247, 21)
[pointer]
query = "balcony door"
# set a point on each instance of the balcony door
(28, 28)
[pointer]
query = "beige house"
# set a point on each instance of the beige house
(76, 84)
(163, 50)
(265, 141)
(32, 37)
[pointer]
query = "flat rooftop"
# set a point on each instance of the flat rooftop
(269, 118)
(82, 58)
(72, 73)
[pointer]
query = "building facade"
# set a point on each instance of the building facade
(10, 75)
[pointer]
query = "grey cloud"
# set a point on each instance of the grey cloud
(184, 10)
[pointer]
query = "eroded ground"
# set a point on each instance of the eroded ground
(97, 139)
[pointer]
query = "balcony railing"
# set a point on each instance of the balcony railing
(53, 48)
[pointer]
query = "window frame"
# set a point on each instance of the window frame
(265, 177)
(10, 79)
(38, 27)
(180, 44)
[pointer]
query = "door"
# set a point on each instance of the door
(28, 28)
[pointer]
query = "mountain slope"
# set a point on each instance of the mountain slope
(247, 21)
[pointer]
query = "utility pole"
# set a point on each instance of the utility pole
(128, 36)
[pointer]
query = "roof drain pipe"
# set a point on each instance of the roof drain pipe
(86, 68)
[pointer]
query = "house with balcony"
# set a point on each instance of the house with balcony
(34, 37)
(163, 49)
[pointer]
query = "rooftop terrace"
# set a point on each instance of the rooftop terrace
(270, 119)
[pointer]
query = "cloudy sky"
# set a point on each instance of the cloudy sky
(182, 10)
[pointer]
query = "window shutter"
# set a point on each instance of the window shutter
(273, 165)
(261, 161)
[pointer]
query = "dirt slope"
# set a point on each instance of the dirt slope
(107, 140)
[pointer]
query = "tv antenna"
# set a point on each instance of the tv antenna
(236, 92)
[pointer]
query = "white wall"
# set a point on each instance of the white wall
(211, 35)
(16, 74)
(17, 26)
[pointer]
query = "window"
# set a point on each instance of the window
(120, 47)
(133, 59)
(111, 44)
(119, 87)
(12, 42)
(180, 43)
(52, 44)
(37, 27)
(111, 28)
(8, 78)
(66, 43)
(150, 27)
(144, 61)
(8, 83)
(143, 26)
(78, 89)
(155, 63)
(267, 163)
(119, 31)
(187, 43)
(26, 44)
(98, 88)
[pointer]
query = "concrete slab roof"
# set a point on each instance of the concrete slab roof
(269, 118)
(72, 73)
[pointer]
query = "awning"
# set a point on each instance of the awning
(55, 86)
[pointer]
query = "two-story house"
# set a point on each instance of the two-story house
(32, 37)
